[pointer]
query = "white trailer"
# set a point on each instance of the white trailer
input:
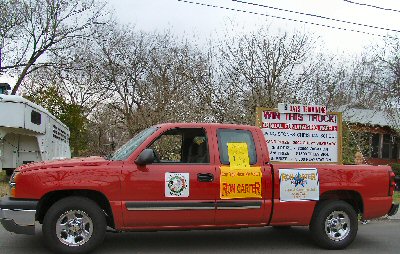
(29, 133)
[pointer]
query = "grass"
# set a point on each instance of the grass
(3, 176)
(3, 183)
(396, 197)
(3, 189)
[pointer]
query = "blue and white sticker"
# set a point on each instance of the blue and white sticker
(177, 184)
(299, 184)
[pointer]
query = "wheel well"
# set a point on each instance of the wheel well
(352, 197)
(52, 197)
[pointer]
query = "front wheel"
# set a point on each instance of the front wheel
(74, 225)
(334, 225)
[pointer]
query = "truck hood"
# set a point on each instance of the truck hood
(64, 163)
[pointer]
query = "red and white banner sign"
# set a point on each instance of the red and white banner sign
(308, 138)
(301, 109)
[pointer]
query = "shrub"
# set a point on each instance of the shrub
(396, 168)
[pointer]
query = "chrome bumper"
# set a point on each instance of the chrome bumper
(18, 216)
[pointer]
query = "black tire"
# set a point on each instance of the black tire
(74, 207)
(331, 235)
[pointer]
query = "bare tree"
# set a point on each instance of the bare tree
(389, 58)
(265, 68)
(174, 72)
(152, 77)
(37, 27)
(11, 20)
(122, 59)
(78, 75)
(336, 81)
(107, 131)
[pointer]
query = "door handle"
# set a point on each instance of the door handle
(206, 177)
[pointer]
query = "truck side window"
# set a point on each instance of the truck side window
(226, 136)
(181, 146)
(168, 147)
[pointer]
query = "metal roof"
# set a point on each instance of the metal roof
(369, 117)
(19, 99)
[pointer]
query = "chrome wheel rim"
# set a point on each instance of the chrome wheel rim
(74, 228)
(337, 226)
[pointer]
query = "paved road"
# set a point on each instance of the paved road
(377, 236)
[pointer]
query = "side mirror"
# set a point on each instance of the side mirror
(145, 157)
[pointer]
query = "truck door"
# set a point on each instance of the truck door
(240, 201)
(178, 189)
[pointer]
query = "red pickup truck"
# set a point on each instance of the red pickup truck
(192, 176)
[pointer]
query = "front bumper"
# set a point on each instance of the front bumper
(18, 216)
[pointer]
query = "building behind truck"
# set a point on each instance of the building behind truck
(29, 133)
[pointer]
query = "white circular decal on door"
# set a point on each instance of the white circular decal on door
(176, 184)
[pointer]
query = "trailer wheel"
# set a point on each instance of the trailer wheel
(334, 225)
(74, 225)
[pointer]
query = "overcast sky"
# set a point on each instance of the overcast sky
(188, 19)
(201, 23)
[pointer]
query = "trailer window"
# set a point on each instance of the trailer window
(36, 117)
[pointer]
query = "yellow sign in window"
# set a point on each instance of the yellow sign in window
(238, 155)
(240, 180)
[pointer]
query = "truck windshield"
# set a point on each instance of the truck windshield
(124, 151)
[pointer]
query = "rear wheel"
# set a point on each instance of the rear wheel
(74, 225)
(334, 225)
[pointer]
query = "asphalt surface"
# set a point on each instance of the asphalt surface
(382, 236)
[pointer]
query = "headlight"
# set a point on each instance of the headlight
(13, 184)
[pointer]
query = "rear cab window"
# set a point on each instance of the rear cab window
(226, 136)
